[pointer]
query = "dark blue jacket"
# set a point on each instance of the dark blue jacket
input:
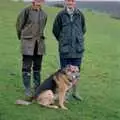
(69, 31)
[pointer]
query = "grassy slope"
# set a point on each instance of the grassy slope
(99, 77)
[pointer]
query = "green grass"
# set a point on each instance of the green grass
(100, 81)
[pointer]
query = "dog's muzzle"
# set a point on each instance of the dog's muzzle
(74, 77)
(73, 73)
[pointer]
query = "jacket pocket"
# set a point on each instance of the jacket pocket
(27, 32)
(64, 49)
(79, 45)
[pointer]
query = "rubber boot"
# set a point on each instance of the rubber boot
(26, 81)
(75, 93)
(36, 79)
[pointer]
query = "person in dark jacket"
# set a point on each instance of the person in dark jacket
(30, 27)
(69, 29)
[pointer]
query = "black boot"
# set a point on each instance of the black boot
(36, 79)
(26, 81)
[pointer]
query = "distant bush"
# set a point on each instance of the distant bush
(117, 17)
(61, 5)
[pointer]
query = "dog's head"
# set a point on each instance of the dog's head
(72, 72)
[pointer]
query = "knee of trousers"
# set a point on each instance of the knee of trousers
(26, 68)
(37, 68)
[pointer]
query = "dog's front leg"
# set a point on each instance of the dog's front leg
(61, 99)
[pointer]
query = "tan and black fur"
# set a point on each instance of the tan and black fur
(61, 82)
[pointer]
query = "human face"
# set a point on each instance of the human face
(70, 3)
(37, 3)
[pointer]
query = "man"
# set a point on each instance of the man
(30, 30)
(69, 29)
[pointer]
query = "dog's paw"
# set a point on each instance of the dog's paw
(56, 107)
(65, 108)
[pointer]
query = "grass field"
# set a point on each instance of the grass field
(100, 81)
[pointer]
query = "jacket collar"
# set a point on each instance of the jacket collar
(76, 11)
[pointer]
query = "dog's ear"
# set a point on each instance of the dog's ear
(68, 67)
(63, 71)
(77, 69)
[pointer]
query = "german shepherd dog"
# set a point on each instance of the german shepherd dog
(56, 86)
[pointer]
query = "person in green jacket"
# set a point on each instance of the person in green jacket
(30, 27)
